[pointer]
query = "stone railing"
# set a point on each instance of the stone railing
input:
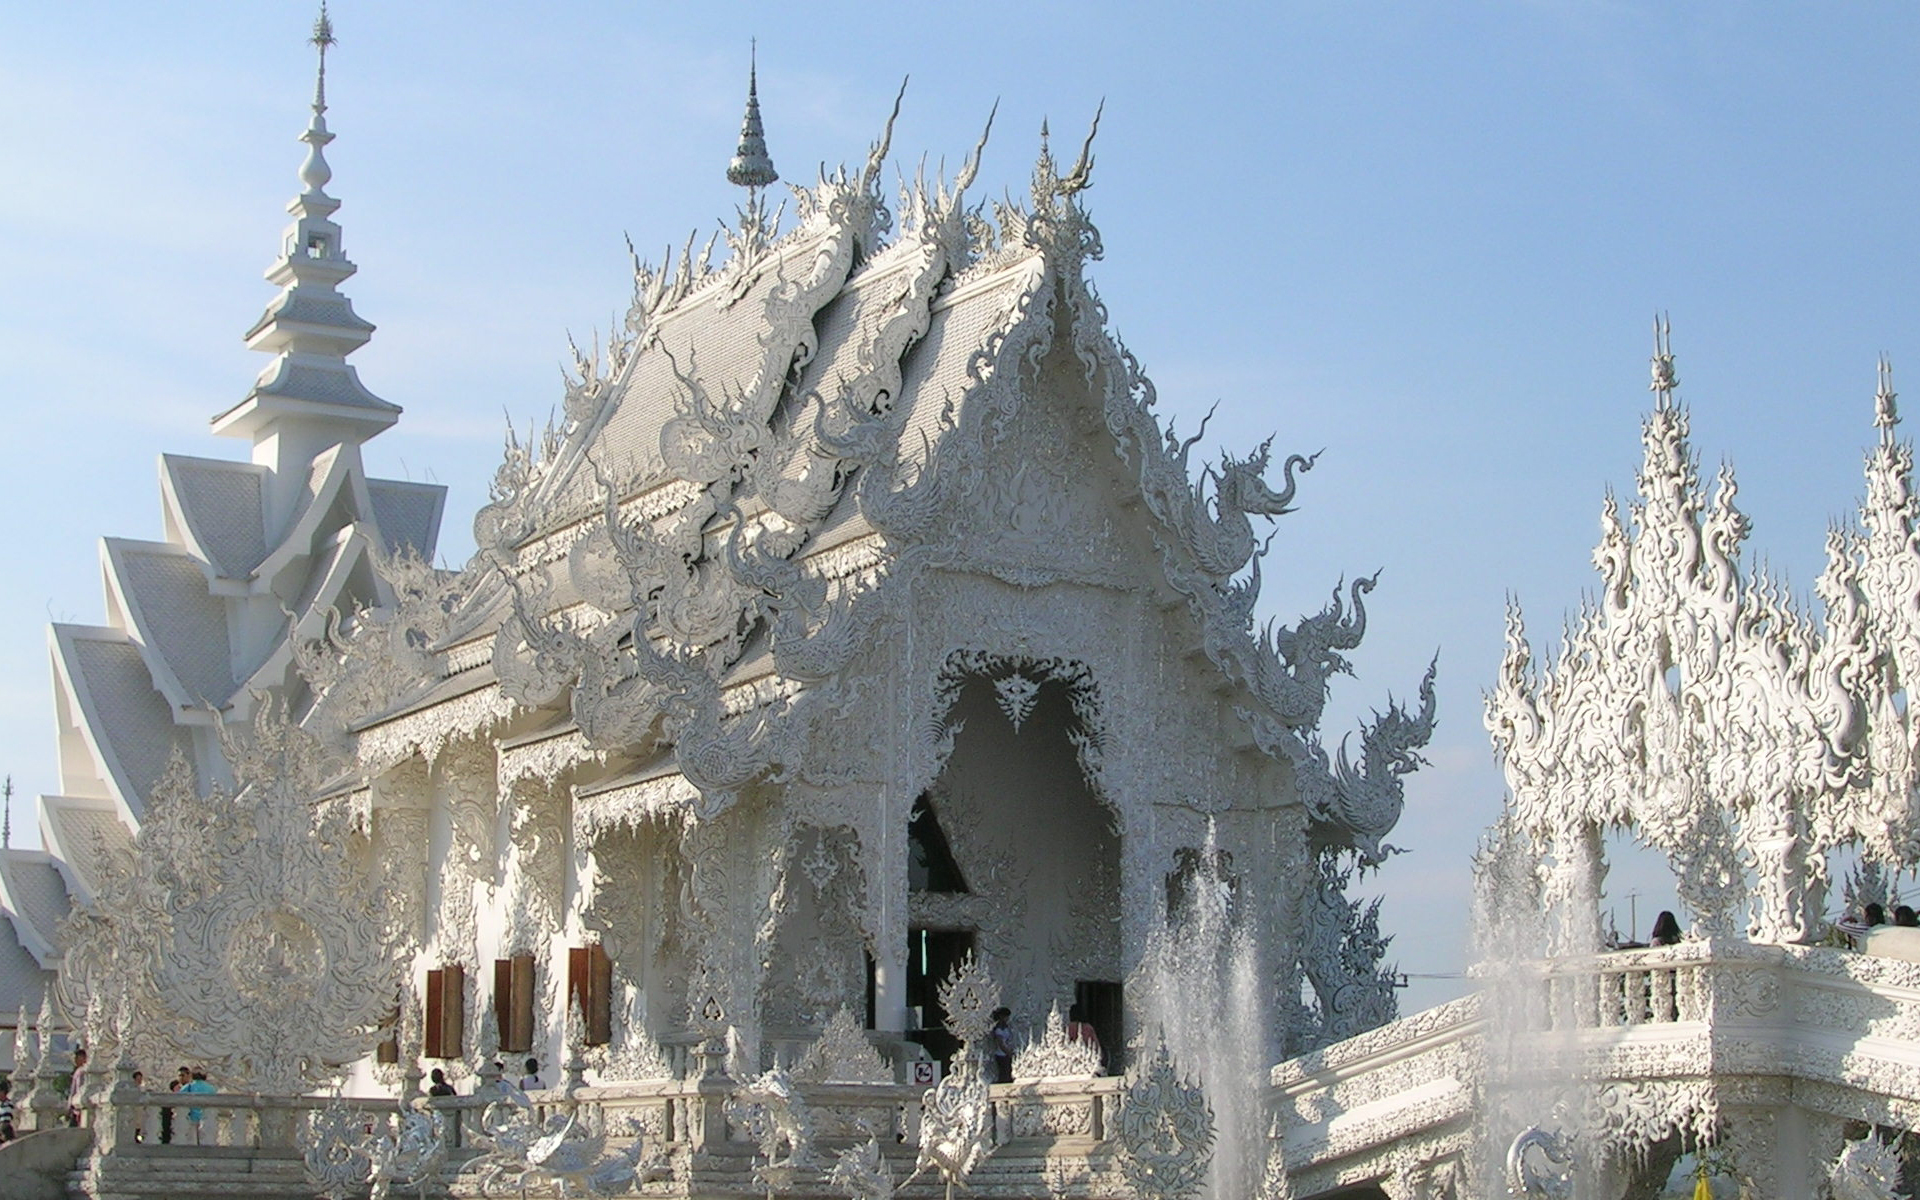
(1693, 1038)
(1043, 1130)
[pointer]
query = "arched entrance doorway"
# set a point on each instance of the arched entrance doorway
(1012, 856)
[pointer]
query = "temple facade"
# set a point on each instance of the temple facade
(857, 628)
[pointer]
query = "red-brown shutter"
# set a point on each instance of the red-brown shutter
(446, 1012)
(513, 1002)
(590, 983)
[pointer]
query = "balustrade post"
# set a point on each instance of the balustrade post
(117, 1118)
(47, 1102)
(707, 1122)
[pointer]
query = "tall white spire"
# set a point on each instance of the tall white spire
(752, 167)
(309, 398)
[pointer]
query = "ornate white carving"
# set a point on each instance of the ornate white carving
(1866, 1170)
(1056, 1055)
(969, 997)
(1702, 708)
(842, 1054)
(1165, 1130)
(862, 1172)
(329, 1141)
(241, 930)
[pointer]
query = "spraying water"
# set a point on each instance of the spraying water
(1202, 990)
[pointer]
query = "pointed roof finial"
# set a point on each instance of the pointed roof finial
(322, 38)
(310, 327)
(1885, 413)
(6, 821)
(314, 172)
(751, 168)
(1664, 380)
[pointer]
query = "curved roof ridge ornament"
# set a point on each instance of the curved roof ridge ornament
(877, 153)
(970, 166)
(1664, 380)
(1080, 177)
(1058, 224)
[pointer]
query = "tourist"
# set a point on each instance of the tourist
(197, 1085)
(440, 1086)
(1666, 930)
(166, 1116)
(1002, 1035)
(6, 1111)
(530, 1082)
(74, 1084)
(1079, 1031)
(1903, 915)
(140, 1123)
(1875, 915)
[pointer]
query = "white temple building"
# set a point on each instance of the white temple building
(859, 653)
(859, 628)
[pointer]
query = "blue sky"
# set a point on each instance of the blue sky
(1428, 237)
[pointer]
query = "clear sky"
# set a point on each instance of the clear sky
(1427, 237)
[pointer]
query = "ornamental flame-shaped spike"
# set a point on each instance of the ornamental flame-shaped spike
(968, 998)
(1165, 1129)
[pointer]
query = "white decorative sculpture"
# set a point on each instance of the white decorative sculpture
(842, 1054)
(1165, 1130)
(1540, 1163)
(272, 965)
(1867, 1169)
(1055, 1055)
(332, 1150)
(1699, 706)
(407, 1154)
(862, 1173)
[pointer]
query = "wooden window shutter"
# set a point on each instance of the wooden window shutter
(600, 1015)
(446, 1012)
(513, 1002)
(590, 981)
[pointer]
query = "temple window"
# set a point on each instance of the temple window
(513, 1002)
(318, 245)
(590, 981)
(446, 1012)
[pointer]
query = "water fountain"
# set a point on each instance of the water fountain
(1200, 988)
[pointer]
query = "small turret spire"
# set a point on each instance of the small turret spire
(6, 821)
(751, 167)
(1664, 380)
(1885, 413)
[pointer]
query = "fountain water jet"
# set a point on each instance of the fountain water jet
(1202, 993)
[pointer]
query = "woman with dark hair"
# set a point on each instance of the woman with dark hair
(1002, 1045)
(1666, 930)
(1903, 915)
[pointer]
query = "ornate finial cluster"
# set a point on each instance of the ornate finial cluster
(1664, 380)
(322, 38)
(315, 173)
(1885, 414)
(751, 167)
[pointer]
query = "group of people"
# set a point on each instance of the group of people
(1004, 1041)
(187, 1080)
(437, 1085)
